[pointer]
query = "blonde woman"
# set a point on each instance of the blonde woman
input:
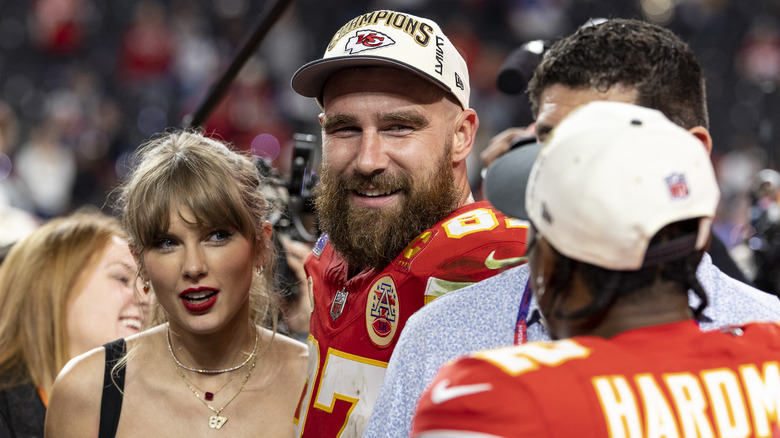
(196, 218)
(64, 289)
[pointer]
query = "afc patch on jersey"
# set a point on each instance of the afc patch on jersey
(382, 312)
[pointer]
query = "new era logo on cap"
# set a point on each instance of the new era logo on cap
(367, 40)
(459, 82)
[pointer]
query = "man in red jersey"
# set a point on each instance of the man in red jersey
(401, 225)
(620, 201)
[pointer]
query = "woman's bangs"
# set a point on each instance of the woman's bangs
(213, 203)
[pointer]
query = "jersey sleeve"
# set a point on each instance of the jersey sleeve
(471, 245)
(472, 395)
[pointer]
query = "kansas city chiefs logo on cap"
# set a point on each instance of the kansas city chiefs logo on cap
(367, 39)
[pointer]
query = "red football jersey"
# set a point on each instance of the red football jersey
(356, 321)
(664, 381)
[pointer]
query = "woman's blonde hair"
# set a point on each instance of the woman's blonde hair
(219, 186)
(36, 283)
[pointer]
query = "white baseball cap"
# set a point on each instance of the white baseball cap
(389, 39)
(613, 174)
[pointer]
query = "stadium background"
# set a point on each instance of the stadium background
(83, 82)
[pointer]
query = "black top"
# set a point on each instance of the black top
(111, 403)
(22, 413)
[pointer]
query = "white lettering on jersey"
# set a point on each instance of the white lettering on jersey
(717, 402)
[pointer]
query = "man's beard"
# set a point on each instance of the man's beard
(373, 237)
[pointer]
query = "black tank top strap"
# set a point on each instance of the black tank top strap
(111, 403)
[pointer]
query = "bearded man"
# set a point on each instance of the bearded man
(401, 225)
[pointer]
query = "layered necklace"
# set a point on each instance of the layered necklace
(216, 421)
(202, 371)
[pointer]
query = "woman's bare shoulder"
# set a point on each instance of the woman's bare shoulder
(74, 404)
(286, 345)
(289, 354)
(82, 370)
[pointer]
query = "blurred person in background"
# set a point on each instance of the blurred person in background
(294, 234)
(296, 304)
(66, 288)
(146, 54)
(759, 254)
(16, 222)
(47, 166)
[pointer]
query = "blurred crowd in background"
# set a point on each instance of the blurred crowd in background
(84, 82)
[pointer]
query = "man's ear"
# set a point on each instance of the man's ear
(463, 137)
(703, 135)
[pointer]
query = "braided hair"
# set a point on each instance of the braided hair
(609, 286)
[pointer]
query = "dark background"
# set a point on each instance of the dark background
(84, 82)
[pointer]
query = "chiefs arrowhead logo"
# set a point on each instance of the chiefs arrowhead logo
(367, 39)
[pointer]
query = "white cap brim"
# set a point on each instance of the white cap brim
(310, 79)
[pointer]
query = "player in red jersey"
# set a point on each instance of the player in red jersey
(394, 201)
(620, 201)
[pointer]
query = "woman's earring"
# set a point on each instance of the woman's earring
(147, 286)
(260, 270)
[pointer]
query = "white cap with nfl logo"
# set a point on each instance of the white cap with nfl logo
(389, 39)
(613, 174)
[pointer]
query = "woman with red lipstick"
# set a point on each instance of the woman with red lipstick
(196, 217)
(68, 287)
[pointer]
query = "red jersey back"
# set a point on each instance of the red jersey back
(664, 381)
(356, 321)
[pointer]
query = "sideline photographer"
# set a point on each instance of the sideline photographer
(763, 236)
(295, 231)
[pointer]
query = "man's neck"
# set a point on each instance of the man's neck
(637, 313)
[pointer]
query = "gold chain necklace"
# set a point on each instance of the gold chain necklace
(216, 421)
(203, 371)
(208, 395)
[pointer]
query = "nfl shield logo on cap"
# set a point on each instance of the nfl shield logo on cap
(677, 186)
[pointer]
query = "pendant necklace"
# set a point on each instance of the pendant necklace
(208, 395)
(216, 421)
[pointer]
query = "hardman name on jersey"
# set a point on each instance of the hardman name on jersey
(677, 403)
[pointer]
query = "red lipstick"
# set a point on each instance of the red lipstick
(199, 299)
